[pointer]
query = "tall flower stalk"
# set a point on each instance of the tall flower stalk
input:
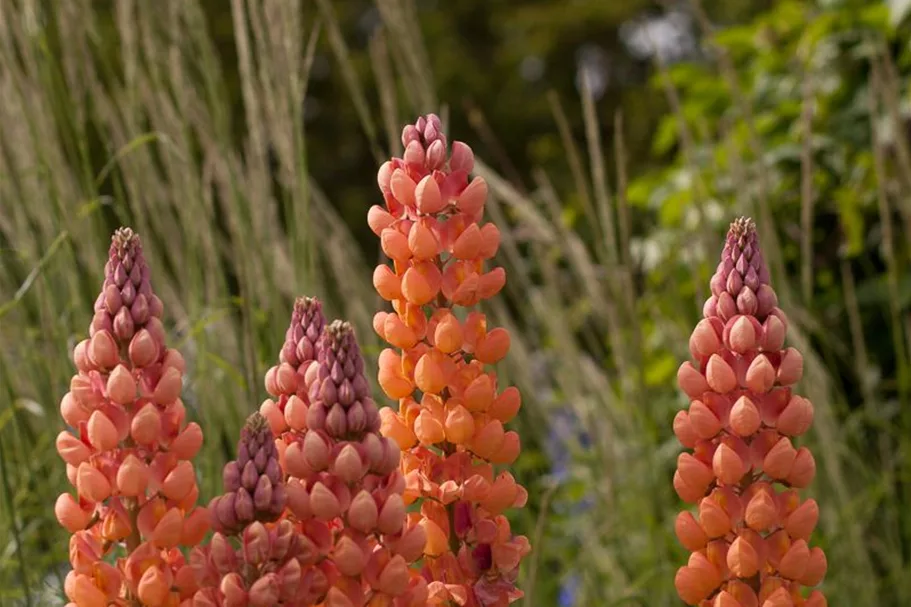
(128, 449)
(749, 538)
(452, 410)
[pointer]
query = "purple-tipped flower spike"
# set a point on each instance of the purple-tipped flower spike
(253, 483)
(740, 284)
(126, 304)
(286, 380)
(339, 387)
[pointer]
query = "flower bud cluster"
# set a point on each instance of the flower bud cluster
(749, 535)
(128, 449)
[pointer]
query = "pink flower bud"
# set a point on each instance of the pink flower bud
(265, 591)
(719, 375)
(101, 432)
(70, 514)
(705, 423)
(813, 574)
(779, 460)
(195, 527)
(286, 379)
(745, 418)
(179, 481)
(91, 483)
(81, 358)
(143, 350)
(791, 369)
(255, 544)
(362, 513)
(154, 587)
(146, 425)
(761, 513)
(121, 386)
(123, 325)
(316, 451)
(473, 197)
(691, 381)
(140, 310)
(414, 155)
(704, 341)
(232, 587)
(392, 515)
(298, 499)
(796, 418)
(348, 465)
(773, 334)
(83, 591)
(296, 413)
(188, 442)
(71, 449)
(727, 465)
(436, 155)
(726, 307)
(689, 532)
(427, 196)
(84, 391)
(348, 557)
(168, 530)
(742, 559)
(168, 387)
(742, 337)
(132, 476)
(683, 429)
(102, 350)
(767, 299)
(323, 503)
(760, 376)
(295, 462)
(462, 157)
(804, 469)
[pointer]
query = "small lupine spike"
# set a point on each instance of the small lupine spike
(740, 426)
(253, 483)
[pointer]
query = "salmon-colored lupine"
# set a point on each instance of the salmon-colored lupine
(343, 477)
(452, 411)
(128, 450)
(278, 559)
(749, 536)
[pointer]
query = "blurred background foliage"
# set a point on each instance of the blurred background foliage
(241, 139)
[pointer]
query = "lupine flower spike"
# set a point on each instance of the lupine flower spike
(749, 537)
(128, 450)
(451, 415)
(342, 476)
(275, 563)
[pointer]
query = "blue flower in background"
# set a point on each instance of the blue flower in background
(565, 431)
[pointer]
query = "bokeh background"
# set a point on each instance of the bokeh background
(241, 139)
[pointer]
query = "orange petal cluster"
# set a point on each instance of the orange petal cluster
(452, 411)
(128, 449)
(749, 534)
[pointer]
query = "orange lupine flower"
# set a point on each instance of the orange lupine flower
(128, 448)
(748, 539)
(451, 408)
